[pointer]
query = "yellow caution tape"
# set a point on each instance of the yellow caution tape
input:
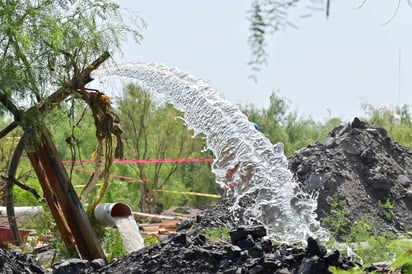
(191, 193)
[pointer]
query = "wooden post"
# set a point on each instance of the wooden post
(64, 229)
(53, 175)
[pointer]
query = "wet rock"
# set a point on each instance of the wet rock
(404, 180)
(408, 195)
(249, 253)
(333, 258)
(381, 267)
(185, 224)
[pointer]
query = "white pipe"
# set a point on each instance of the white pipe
(23, 213)
(105, 213)
(120, 215)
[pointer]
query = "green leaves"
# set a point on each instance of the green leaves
(152, 131)
(50, 41)
(281, 125)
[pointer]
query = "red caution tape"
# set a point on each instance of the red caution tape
(188, 160)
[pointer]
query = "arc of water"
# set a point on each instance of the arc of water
(261, 176)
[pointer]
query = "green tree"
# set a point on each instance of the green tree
(271, 119)
(152, 131)
(281, 125)
(396, 120)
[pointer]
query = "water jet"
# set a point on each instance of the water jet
(260, 172)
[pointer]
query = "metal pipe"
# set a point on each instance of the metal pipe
(106, 212)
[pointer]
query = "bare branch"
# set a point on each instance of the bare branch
(23, 186)
(361, 5)
(394, 15)
(5, 100)
(327, 8)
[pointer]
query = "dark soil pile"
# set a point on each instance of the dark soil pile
(247, 252)
(360, 165)
(14, 262)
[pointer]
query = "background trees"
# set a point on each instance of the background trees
(280, 124)
(154, 132)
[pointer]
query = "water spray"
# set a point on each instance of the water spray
(264, 187)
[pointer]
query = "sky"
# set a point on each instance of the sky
(326, 67)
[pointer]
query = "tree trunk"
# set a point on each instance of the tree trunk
(11, 176)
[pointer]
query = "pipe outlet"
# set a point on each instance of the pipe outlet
(106, 212)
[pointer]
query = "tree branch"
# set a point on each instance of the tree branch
(78, 82)
(84, 76)
(9, 105)
(8, 129)
(10, 180)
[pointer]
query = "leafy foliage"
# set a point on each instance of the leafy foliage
(217, 233)
(267, 17)
(280, 125)
(396, 120)
(337, 221)
(404, 261)
(361, 238)
(387, 208)
(154, 132)
(113, 244)
(72, 33)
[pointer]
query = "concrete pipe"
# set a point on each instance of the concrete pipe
(105, 213)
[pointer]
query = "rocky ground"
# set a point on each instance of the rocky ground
(357, 164)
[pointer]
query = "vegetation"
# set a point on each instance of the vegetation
(217, 233)
(268, 17)
(154, 132)
(281, 125)
(158, 122)
(48, 49)
(337, 221)
(361, 240)
(46, 106)
(387, 208)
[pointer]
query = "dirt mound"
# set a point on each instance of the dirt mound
(247, 252)
(361, 166)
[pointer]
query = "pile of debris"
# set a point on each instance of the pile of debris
(12, 261)
(247, 252)
(360, 166)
